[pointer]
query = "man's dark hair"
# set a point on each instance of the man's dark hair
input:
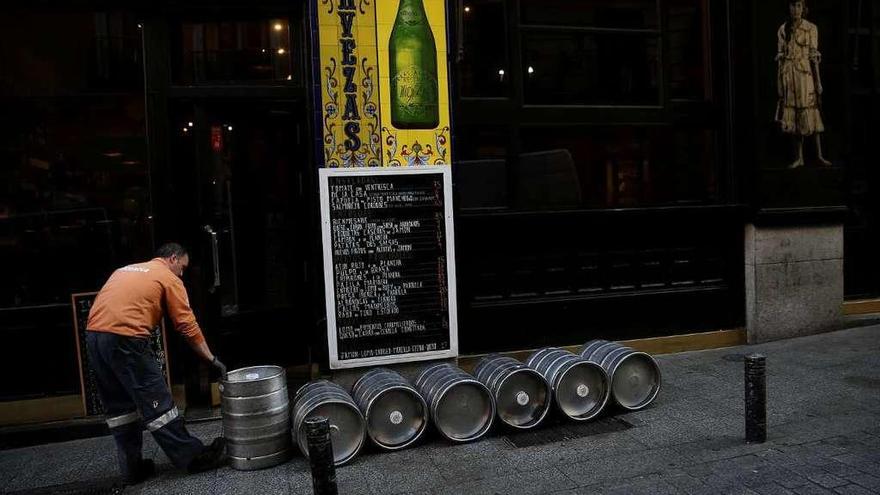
(170, 249)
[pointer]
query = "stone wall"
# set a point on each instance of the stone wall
(794, 280)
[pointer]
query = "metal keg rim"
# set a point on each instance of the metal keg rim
(492, 412)
(275, 375)
(251, 440)
(267, 412)
(549, 400)
(300, 431)
(656, 390)
(425, 373)
(322, 381)
(261, 462)
(427, 417)
(371, 373)
(251, 397)
(270, 413)
(581, 361)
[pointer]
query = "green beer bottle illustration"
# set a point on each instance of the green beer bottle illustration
(412, 56)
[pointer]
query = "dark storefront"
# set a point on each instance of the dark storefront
(608, 156)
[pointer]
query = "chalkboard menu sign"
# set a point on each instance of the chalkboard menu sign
(389, 269)
(82, 304)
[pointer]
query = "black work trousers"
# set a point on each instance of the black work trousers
(135, 395)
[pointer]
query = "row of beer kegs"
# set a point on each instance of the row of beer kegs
(394, 412)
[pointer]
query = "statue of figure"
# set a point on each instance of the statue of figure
(799, 82)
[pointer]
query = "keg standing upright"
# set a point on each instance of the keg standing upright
(256, 417)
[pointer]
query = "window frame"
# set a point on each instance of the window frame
(513, 113)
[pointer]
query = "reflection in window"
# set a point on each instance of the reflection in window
(74, 198)
(481, 167)
(688, 44)
(235, 51)
(47, 54)
(629, 14)
(614, 167)
(590, 69)
(865, 70)
(484, 69)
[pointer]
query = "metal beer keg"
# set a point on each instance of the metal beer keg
(580, 388)
(522, 395)
(256, 417)
(461, 407)
(324, 398)
(635, 376)
(395, 412)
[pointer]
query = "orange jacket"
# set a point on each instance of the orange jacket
(131, 302)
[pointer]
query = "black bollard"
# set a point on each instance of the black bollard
(756, 398)
(321, 456)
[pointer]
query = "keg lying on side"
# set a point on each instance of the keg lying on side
(634, 375)
(256, 417)
(580, 388)
(522, 395)
(324, 398)
(395, 412)
(462, 408)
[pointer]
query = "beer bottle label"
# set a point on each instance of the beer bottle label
(416, 93)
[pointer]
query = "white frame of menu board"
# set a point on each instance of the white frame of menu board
(329, 281)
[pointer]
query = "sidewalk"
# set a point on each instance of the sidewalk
(823, 438)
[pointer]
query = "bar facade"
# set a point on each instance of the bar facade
(620, 169)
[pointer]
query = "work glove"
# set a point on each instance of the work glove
(220, 367)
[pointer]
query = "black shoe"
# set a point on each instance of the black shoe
(145, 470)
(212, 457)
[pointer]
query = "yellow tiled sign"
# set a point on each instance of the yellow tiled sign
(356, 52)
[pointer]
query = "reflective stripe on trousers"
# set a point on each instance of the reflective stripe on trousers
(122, 420)
(163, 420)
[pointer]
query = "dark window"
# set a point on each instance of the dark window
(590, 69)
(74, 185)
(610, 106)
(484, 68)
(481, 182)
(613, 167)
(862, 228)
(235, 51)
(627, 14)
(688, 43)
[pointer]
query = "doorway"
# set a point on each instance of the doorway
(249, 162)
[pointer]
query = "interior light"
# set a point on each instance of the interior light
(278, 26)
(531, 70)
(189, 124)
(467, 9)
(281, 51)
(186, 129)
(289, 77)
(500, 72)
(229, 127)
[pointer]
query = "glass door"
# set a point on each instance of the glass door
(249, 159)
